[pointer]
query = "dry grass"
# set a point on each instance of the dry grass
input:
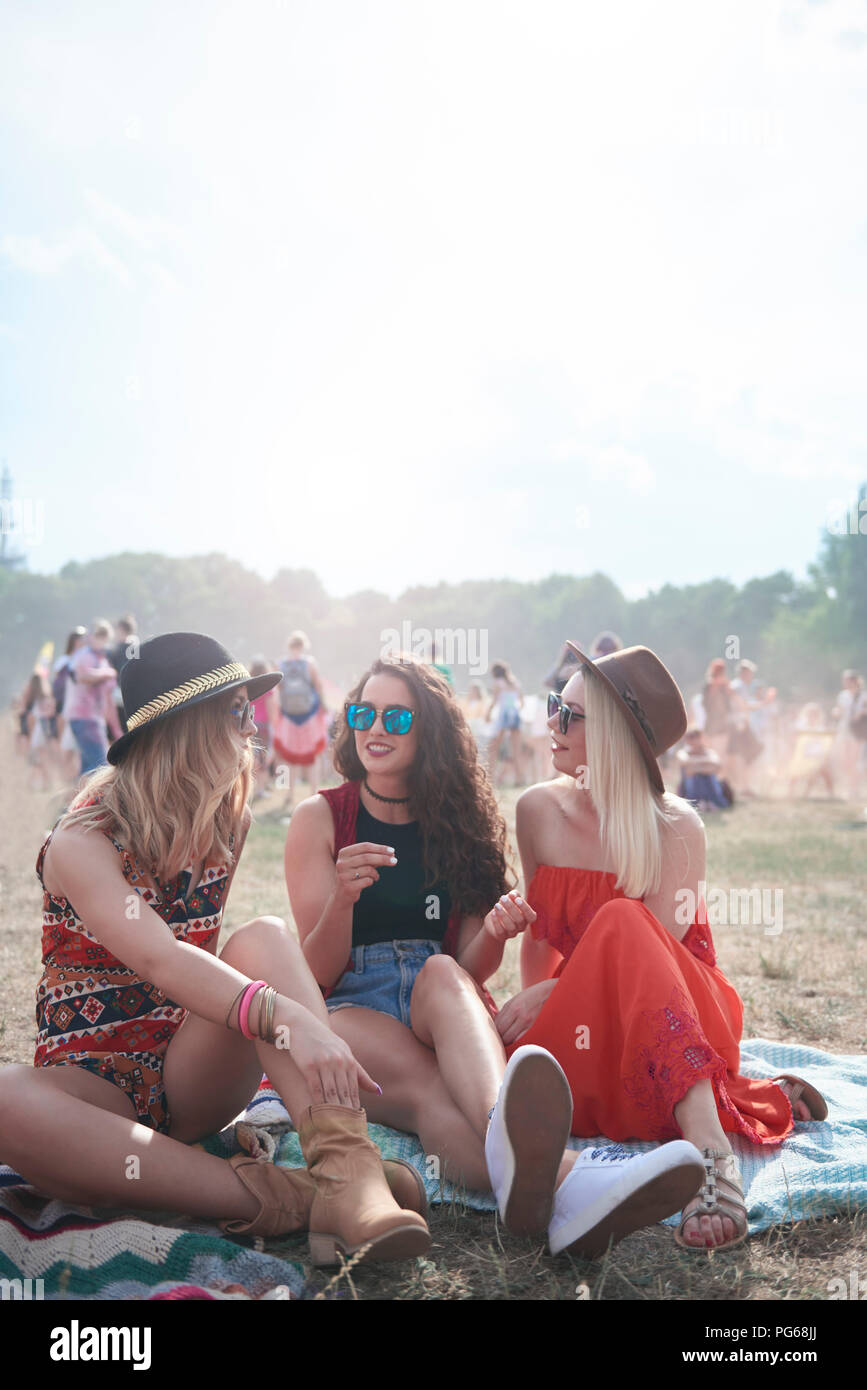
(805, 985)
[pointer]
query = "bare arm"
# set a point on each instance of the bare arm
(539, 960)
(94, 675)
(84, 867)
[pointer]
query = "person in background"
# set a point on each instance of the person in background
(124, 648)
(504, 714)
(718, 705)
(475, 707)
(811, 759)
(848, 751)
(745, 744)
(300, 734)
(700, 780)
(603, 644)
(90, 707)
(44, 740)
(265, 712)
(62, 687)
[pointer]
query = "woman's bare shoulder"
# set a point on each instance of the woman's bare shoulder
(683, 814)
(311, 822)
(74, 845)
(548, 793)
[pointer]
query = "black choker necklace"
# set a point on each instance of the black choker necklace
(392, 800)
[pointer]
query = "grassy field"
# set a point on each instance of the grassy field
(805, 985)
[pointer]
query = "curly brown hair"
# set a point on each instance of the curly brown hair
(463, 835)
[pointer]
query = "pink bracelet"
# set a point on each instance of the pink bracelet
(244, 1011)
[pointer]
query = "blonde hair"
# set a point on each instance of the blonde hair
(179, 793)
(633, 816)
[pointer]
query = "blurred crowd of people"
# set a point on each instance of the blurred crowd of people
(742, 741)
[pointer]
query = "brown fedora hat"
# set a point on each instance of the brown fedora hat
(649, 696)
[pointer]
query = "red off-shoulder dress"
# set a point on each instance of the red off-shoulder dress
(637, 1017)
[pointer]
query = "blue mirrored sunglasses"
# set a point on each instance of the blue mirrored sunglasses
(396, 719)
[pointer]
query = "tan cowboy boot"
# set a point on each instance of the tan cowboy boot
(286, 1195)
(353, 1207)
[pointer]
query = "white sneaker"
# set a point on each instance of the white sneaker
(610, 1193)
(526, 1138)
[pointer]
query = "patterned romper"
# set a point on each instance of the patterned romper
(94, 1012)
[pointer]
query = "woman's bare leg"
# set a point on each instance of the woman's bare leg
(211, 1072)
(449, 1016)
(698, 1119)
(106, 1158)
(414, 1095)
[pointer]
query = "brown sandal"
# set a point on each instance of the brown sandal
(720, 1169)
(802, 1090)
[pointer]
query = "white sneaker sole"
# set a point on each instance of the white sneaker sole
(619, 1211)
(537, 1116)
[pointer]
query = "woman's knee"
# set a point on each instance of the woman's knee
(263, 935)
(441, 973)
(619, 916)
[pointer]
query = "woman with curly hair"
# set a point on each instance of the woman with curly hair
(392, 877)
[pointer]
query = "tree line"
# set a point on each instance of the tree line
(801, 632)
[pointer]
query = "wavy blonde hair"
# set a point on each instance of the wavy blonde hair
(178, 795)
(633, 815)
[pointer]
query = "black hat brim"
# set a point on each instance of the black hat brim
(256, 686)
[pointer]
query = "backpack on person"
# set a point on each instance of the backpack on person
(298, 697)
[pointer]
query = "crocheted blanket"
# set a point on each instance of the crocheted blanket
(87, 1253)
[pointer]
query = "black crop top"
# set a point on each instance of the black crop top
(398, 908)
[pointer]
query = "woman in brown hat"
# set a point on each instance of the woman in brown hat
(148, 1039)
(621, 981)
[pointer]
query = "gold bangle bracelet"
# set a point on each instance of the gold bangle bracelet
(266, 1017)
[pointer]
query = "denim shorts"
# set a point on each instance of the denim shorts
(383, 977)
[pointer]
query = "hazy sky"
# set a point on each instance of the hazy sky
(415, 291)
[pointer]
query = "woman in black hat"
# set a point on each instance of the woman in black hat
(620, 976)
(149, 1040)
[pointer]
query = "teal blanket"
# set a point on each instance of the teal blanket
(821, 1170)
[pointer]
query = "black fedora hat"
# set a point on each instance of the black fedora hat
(173, 672)
(649, 696)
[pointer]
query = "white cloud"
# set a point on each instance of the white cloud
(618, 465)
(41, 257)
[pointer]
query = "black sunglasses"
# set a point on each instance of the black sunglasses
(556, 706)
(241, 713)
(396, 719)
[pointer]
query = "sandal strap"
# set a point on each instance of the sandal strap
(795, 1088)
(711, 1200)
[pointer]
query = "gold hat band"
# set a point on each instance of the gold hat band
(182, 693)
